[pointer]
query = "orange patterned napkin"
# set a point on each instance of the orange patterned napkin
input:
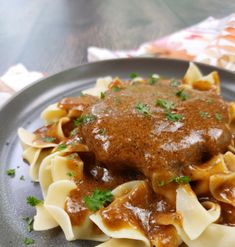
(211, 41)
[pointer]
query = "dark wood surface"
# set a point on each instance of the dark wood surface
(53, 35)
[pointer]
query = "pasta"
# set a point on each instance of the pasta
(114, 167)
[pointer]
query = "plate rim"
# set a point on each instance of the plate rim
(28, 87)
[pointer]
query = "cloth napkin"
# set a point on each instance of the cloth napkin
(15, 79)
(211, 41)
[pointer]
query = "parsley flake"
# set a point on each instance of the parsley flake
(49, 139)
(33, 201)
(98, 199)
(168, 105)
(116, 89)
(162, 183)
(133, 75)
(153, 79)
(173, 116)
(84, 119)
(102, 131)
(209, 101)
(22, 178)
(175, 83)
(182, 95)
(72, 156)
(78, 121)
(73, 132)
(204, 114)
(70, 174)
(88, 118)
(61, 146)
(178, 180)
(181, 180)
(218, 117)
(28, 241)
(29, 222)
(11, 172)
(102, 95)
(143, 108)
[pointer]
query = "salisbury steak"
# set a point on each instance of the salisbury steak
(156, 129)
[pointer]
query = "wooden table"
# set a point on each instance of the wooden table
(53, 35)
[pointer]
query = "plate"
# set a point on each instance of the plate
(24, 110)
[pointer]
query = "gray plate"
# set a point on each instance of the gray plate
(24, 110)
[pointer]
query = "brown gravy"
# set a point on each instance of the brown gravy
(144, 210)
(95, 177)
(152, 143)
(125, 144)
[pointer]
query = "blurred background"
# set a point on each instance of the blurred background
(50, 36)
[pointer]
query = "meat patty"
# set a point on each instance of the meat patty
(134, 128)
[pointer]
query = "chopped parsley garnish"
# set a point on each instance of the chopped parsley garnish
(84, 119)
(29, 222)
(182, 95)
(98, 199)
(162, 183)
(72, 156)
(101, 131)
(153, 79)
(178, 180)
(173, 116)
(22, 178)
(88, 118)
(218, 117)
(102, 95)
(82, 94)
(28, 241)
(116, 89)
(49, 139)
(33, 201)
(204, 114)
(70, 174)
(143, 108)
(181, 180)
(175, 83)
(11, 172)
(133, 75)
(209, 101)
(168, 105)
(61, 146)
(74, 132)
(78, 121)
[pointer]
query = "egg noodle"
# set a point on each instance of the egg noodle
(123, 217)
